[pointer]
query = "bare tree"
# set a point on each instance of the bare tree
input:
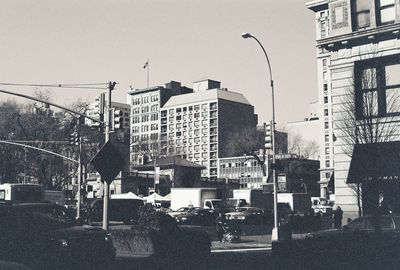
(248, 142)
(303, 148)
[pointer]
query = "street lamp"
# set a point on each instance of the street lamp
(274, 235)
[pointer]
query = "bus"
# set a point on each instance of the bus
(21, 192)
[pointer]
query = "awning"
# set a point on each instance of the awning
(375, 162)
(128, 195)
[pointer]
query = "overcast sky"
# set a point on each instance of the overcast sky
(75, 41)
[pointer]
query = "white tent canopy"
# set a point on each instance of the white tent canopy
(128, 195)
(154, 197)
(167, 197)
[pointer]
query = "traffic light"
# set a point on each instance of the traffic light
(268, 130)
(118, 119)
(74, 138)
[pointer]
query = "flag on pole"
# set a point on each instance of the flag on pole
(146, 65)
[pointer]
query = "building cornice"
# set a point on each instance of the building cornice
(360, 37)
(317, 5)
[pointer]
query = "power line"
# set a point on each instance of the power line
(55, 142)
(61, 85)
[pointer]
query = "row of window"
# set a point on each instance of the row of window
(144, 99)
(145, 109)
(253, 163)
(144, 137)
(145, 118)
(213, 106)
(190, 140)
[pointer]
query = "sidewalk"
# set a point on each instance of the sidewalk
(249, 242)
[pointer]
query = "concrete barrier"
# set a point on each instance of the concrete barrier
(130, 244)
(179, 243)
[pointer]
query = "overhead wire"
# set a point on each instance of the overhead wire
(61, 85)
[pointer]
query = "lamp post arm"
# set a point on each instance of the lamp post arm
(266, 56)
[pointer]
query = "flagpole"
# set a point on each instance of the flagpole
(148, 72)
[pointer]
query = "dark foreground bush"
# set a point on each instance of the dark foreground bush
(173, 247)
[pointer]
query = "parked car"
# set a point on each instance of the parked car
(197, 216)
(124, 210)
(45, 236)
(365, 240)
(246, 214)
(180, 211)
(12, 266)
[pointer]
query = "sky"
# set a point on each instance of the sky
(91, 41)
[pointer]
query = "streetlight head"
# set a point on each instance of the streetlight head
(246, 35)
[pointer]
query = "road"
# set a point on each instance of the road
(224, 259)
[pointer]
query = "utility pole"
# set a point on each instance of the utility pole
(106, 186)
(78, 202)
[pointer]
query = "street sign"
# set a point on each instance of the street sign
(108, 162)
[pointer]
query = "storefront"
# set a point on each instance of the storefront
(375, 174)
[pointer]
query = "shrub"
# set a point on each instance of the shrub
(149, 220)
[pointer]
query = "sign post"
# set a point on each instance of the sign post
(108, 162)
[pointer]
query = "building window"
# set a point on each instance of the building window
(327, 151)
(145, 118)
(154, 117)
(325, 87)
(327, 163)
(324, 62)
(325, 99)
(360, 14)
(326, 125)
(385, 11)
(377, 87)
(178, 110)
(327, 137)
(326, 112)
(323, 29)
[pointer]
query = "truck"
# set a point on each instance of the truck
(322, 205)
(299, 202)
(194, 197)
(254, 198)
(21, 192)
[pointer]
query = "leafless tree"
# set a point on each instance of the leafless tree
(303, 148)
(248, 142)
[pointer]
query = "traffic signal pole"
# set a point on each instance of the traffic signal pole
(106, 186)
(78, 202)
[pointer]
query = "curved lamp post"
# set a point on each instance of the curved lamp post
(275, 230)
